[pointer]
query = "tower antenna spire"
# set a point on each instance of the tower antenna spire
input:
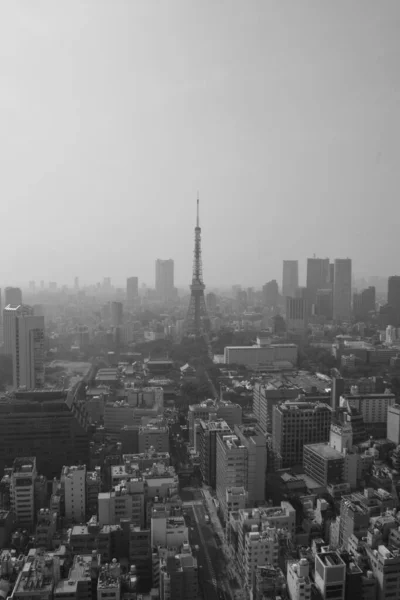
(197, 318)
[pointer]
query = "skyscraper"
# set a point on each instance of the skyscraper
(12, 296)
(24, 335)
(117, 310)
(132, 291)
(165, 279)
(271, 293)
(342, 290)
(394, 297)
(318, 276)
(296, 314)
(290, 277)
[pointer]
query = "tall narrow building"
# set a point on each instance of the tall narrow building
(24, 341)
(318, 276)
(393, 298)
(290, 277)
(197, 318)
(12, 296)
(132, 291)
(342, 290)
(165, 279)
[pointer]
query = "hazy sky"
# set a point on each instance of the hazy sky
(284, 114)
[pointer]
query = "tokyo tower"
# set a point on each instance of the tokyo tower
(197, 319)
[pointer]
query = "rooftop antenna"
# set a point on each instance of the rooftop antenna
(198, 220)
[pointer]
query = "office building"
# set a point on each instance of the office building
(342, 290)
(132, 291)
(393, 298)
(12, 296)
(254, 442)
(296, 423)
(266, 395)
(24, 341)
(290, 278)
(330, 575)
(324, 464)
(22, 490)
(261, 548)
(179, 576)
(296, 314)
(73, 479)
(209, 431)
(317, 278)
(117, 310)
(231, 468)
(211, 302)
(372, 407)
(271, 294)
(124, 501)
(153, 435)
(393, 423)
(298, 579)
(165, 279)
(221, 409)
(261, 356)
(385, 564)
(364, 304)
(30, 422)
(324, 304)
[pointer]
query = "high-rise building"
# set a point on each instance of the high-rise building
(317, 278)
(74, 481)
(165, 279)
(393, 297)
(22, 490)
(254, 442)
(24, 341)
(231, 469)
(296, 314)
(271, 294)
(132, 291)
(12, 296)
(117, 311)
(393, 424)
(209, 431)
(290, 277)
(296, 423)
(31, 421)
(211, 302)
(342, 290)
(363, 303)
(323, 303)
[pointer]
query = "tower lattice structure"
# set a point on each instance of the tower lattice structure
(197, 318)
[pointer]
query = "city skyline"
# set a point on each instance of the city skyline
(95, 161)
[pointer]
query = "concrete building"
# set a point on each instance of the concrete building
(255, 356)
(296, 314)
(265, 396)
(46, 528)
(209, 431)
(24, 341)
(132, 291)
(324, 303)
(364, 303)
(261, 548)
(231, 468)
(22, 490)
(372, 407)
(290, 277)
(342, 290)
(268, 582)
(154, 436)
(179, 576)
(330, 575)
(140, 552)
(295, 424)
(124, 501)
(73, 479)
(271, 294)
(12, 296)
(221, 409)
(109, 582)
(317, 278)
(298, 579)
(254, 442)
(324, 464)
(167, 531)
(38, 577)
(117, 311)
(393, 297)
(393, 423)
(165, 279)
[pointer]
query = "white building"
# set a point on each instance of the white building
(22, 490)
(298, 579)
(24, 341)
(330, 575)
(342, 290)
(74, 481)
(253, 356)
